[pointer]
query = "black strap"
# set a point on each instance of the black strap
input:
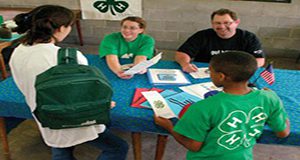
(67, 56)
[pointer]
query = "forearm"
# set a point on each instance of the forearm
(113, 63)
(184, 61)
(138, 59)
(188, 143)
(286, 131)
(182, 58)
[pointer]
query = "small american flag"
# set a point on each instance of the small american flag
(268, 74)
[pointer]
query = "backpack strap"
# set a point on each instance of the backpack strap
(67, 56)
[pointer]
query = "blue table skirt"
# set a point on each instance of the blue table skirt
(127, 118)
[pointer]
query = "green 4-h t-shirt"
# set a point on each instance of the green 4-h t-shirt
(228, 125)
(115, 44)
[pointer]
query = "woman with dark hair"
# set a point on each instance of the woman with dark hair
(43, 27)
(131, 42)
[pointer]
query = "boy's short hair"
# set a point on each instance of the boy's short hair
(237, 65)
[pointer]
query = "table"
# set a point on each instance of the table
(137, 120)
(10, 13)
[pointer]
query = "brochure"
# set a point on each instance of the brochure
(138, 98)
(201, 73)
(167, 77)
(200, 89)
(158, 104)
(143, 65)
(176, 101)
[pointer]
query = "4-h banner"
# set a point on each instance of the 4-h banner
(110, 9)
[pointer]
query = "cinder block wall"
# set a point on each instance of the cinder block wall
(170, 22)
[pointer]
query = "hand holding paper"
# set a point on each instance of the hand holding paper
(143, 65)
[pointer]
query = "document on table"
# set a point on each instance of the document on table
(200, 89)
(158, 104)
(201, 73)
(167, 77)
(143, 65)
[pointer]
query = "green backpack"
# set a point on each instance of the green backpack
(70, 95)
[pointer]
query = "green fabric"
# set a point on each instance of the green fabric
(228, 125)
(115, 44)
(70, 95)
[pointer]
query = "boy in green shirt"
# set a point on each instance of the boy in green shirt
(225, 126)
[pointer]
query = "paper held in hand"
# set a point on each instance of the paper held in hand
(158, 104)
(143, 65)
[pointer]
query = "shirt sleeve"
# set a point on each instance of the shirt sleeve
(253, 45)
(278, 115)
(108, 46)
(194, 124)
(193, 44)
(147, 47)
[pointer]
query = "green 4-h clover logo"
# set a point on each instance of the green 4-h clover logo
(112, 5)
(240, 129)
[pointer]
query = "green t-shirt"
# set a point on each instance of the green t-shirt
(228, 125)
(115, 44)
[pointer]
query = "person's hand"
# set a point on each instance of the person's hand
(163, 122)
(112, 104)
(124, 76)
(189, 68)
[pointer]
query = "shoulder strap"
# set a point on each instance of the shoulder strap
(67, 56)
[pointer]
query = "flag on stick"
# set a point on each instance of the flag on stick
(268, 74)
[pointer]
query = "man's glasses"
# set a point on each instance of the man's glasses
(130, 28)
(227, 24)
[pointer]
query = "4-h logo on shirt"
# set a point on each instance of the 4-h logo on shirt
(112, 5)
(240, 128)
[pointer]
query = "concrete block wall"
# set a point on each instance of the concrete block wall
(171, 22)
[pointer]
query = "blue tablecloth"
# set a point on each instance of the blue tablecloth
(127, 118)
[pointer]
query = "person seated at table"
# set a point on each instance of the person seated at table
(225, 126)
(223, 36)
(44, 27)
(130, 42)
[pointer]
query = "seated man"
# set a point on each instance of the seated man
(223, 36)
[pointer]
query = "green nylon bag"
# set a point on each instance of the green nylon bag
(70, 95)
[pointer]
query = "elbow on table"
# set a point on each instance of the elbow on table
(283, 134)
(286, 131)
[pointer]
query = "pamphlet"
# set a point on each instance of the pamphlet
(200, 89)
(143, 65)
(175, 100)
(201, 73)
(158, 104)
(138, 98)
(167, 77)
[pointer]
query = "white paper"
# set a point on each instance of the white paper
(201, 73)
(200, 89)
(167, 76)
(158, 104)
(143, 65)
